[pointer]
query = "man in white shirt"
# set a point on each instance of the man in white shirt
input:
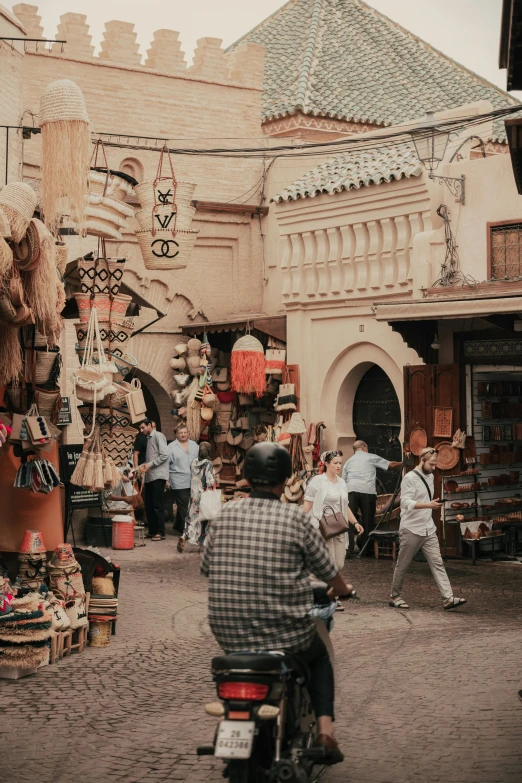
(417, 531)
(360, 473)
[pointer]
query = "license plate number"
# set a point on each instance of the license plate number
(234, 739)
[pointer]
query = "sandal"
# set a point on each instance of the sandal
(340, 607)
(181, 544)
(398, 603)
(454, 603)
(157, 537)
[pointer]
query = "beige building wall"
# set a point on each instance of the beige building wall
(11, 107)
(214, 103)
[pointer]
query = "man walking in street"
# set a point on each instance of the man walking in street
(418, 532)
(156, 471)
(360, 473)
(182, 452)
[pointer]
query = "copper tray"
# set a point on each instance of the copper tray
(443, 422)
(448, 455)
(418, 441)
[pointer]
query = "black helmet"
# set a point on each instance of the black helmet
(267, 463)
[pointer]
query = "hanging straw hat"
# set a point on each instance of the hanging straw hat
(62, 100)
(27, 251)
(296, 425)
(5, 228)
(18, 202)
(248, 366)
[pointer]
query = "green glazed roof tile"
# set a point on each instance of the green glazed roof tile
(343, 59)
(357, 169)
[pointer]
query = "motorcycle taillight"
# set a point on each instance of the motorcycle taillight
(243, 691)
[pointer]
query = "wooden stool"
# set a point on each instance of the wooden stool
(139, 535)
(385, 546)
(64, 643)
(79, 639)
(54, 648)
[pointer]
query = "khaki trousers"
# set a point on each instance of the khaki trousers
(410, 543)
(337, 548)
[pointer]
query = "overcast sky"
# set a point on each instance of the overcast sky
(467, 30)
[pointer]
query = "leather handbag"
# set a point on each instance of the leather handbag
(332, 524)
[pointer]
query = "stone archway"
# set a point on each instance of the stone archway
(158, 403)
(340, 387)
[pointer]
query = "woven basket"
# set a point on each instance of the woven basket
(160, 218)
(178, 249)
(118, 398)
(102, 304)
(5, 229)
(105, 334)
(120, 304)
(44, 364)
(62, 100)
(109, 209)
(114, 186)
(149, 194)
(101, 228)
(125, 363)
(99, 633)
(49, 403)
(105, 417)
(119, 443)
(118, 337)
(104, 275)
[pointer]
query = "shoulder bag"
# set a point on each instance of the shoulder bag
(332, 524)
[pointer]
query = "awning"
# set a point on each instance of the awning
(448, 307)
(273, 326)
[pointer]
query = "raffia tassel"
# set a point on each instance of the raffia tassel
(116, 475)
(99, 480)
(107, 471)
(248, 372)
(6, 258)
(89, 473)
(66, 150)
(10, 355)
(40, 284)
(77, 477)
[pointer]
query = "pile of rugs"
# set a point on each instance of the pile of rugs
(25, 633)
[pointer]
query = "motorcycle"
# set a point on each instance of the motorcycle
(267, 728)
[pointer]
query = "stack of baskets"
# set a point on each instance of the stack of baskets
(166, 237)
(103, 611)
(106, 213)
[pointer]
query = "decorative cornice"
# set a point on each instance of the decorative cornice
(446, 308)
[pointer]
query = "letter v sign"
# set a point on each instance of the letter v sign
(164, 220)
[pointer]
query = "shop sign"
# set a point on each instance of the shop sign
(77, 497)
(65, 415)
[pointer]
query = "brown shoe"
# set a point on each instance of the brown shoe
(333, 752)
(181, 544)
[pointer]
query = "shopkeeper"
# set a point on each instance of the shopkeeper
(182, 452)
(118, 501)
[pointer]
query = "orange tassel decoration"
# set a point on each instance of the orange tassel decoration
(248, 366)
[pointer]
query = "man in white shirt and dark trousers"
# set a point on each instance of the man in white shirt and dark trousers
(360, 474)
(418, 532)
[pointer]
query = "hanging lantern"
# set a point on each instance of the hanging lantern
(66, 151)
(248, 366)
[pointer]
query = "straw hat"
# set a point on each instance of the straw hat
(5, 229)
(63, 556)
(27, 251)
(32, 543)
(181, 349)
(62, 100)
(18, 202)
(194, 345)
(178, 364)
(296, 425)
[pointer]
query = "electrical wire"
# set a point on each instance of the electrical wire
(401, 136)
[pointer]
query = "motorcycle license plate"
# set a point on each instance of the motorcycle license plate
(234, 739)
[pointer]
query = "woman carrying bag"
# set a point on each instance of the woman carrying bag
(326, 497)
(203, 479)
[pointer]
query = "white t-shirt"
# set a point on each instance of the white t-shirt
(332, 497)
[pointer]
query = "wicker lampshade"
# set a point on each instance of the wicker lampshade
(62, 100)
(248, 366)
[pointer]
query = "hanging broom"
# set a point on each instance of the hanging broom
(82, 466)
(66, 151)
(10, 355)
(248, 366)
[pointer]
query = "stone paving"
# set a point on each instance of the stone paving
(422, 696)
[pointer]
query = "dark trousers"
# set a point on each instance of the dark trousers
(321, 686)
(181, 499)
(366, 504)
(153, 498)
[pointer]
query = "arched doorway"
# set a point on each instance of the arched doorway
(377, 419)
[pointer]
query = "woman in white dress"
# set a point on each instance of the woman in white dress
(329, 491)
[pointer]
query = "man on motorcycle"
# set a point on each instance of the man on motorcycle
(258, 557)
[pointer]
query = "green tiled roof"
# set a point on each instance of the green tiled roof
(343, 59)
(356, 169)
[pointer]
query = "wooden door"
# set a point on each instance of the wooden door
(427, 386)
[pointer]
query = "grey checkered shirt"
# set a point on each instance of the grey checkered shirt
(258, 556)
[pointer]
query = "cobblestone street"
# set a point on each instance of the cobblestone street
(422, 696)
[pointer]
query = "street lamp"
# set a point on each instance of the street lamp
(430, 144)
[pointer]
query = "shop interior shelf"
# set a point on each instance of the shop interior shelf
(499, 420)
(468, 476)
(497, 488)
(497, 466)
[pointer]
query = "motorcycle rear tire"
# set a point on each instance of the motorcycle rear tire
(242, 772)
